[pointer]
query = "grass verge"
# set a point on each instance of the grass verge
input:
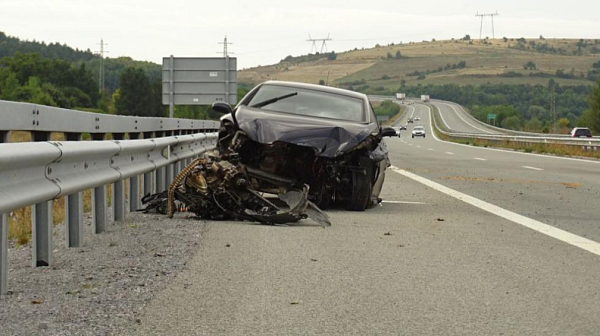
(538, 148)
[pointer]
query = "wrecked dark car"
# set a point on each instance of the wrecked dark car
(313, 146)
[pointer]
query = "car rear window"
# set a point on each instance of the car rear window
(311, 103)
(583, 132)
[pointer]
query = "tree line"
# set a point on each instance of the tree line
(529, 107)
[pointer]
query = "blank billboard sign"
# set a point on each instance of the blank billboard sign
(199, 80)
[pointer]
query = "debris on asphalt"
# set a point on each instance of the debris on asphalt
(218, 189)
(440, 219)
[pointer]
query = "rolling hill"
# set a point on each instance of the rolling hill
(570, 62)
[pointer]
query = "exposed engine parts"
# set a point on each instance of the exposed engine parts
(218, 189)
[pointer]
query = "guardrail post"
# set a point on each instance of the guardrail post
(118, 201)
(3, 253)
(41, 223)
(99, 201)
(134, 193)
(148, 176)
(99, 206)
(41, 234)
(74, 210)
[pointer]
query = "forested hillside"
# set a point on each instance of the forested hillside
(58, 75)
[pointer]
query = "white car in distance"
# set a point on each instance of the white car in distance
(418, 131)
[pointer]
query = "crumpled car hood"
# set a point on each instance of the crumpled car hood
(329, 137)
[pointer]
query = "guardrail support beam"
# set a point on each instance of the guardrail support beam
(3, 253)
(41, 234)
(74, 210)
(74, 220)
(134, 193)
(170, 174)
(118, 201)
(160, 179)
(99, 206)
(148, 183)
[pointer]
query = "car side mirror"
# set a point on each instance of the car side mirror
(388, 132)
(222, 107)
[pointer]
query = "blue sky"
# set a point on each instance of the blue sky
(263, 32)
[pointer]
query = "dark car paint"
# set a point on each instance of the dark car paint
(329, 137)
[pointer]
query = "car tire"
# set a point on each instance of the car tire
(362, 186)
(413, 136)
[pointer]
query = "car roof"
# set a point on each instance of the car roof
(318, 88)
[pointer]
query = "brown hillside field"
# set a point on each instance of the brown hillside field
(485, 61)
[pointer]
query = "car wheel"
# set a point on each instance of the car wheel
(413, 136)
(362, 186)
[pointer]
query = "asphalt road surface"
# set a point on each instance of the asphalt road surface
(467, 241)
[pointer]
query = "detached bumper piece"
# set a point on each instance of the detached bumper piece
(220, 190)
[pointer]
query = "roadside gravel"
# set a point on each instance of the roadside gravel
(101, 288)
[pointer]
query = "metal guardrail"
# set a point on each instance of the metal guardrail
(36, 173)
(585, 143)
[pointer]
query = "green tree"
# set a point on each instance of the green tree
(332, 56)
(533, 125)
(591, 117)
(529, 66)
(513, 123)
(398, 54)
(321, 82)
(134, 98)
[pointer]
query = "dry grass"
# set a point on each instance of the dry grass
(539, 148)
(484, 63)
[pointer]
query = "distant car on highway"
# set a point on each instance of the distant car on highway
(402, 127)
(417, 118)
(410, 121)
(581, 132)
(418, 131)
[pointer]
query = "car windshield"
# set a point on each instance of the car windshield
(310, 102)
(418, 128)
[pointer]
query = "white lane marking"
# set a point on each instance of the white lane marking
(501, 150)
(551, 231)
(480, 159)
(533, 168)
(449, 153)
(418, 146)
(402, 202)
(430, 149)
(463, 119)
(444, 121)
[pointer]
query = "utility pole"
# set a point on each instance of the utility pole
(481, 26)
(225, 43)
(314, 43)
(101, 69)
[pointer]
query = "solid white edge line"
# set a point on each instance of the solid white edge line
(403, 202)
(551, 231)
(449, 153)
(480, 159)
(463, 119)
(501, 150)
(532, 168)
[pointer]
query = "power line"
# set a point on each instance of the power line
(225, 44)
(101, 74)
(314, 43)
(481, 26)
